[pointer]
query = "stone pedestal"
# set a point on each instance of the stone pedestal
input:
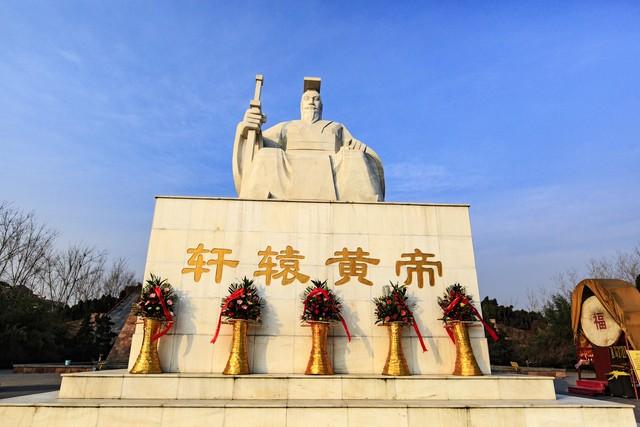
(117, 398)
(315, 232)
(118, 384)
(194, 393)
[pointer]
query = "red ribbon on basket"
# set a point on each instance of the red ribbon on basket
(167, 315)
(234, 296)
(415, 328)
(413, 321)
(324, 293)
(464, 300)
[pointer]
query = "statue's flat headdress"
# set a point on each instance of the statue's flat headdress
(311, 83)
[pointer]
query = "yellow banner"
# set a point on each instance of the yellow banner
(634, 357)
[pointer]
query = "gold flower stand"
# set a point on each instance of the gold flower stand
(396, 364)
(465, 364)
(148, 361)
(319, 362)
(238, 363)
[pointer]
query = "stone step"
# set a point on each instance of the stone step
(120, 384)
(565, 411)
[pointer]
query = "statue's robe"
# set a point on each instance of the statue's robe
(312, 161)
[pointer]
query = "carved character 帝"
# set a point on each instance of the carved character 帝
(308, 158)
(418, 264)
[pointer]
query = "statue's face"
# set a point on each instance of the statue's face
(311, 106)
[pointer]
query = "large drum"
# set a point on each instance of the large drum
(597, 324)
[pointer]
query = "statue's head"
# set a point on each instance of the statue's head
(311, 103)
(311, 106)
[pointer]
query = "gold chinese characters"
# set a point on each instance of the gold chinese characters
(418, 264)
(286, 266)
(288, 261)
(196, 262)
(352, 264)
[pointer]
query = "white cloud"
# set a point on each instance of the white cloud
(418, 179)
(71, 56)
(526, 236)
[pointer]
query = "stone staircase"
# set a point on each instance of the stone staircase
(116, 398)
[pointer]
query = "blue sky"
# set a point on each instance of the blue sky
(529, 111)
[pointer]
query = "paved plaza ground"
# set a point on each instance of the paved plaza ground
(561, 386)
(12, 384)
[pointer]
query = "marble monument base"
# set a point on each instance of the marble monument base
(202, 244)
(117, 398)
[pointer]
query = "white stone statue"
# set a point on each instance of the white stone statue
(310, 158)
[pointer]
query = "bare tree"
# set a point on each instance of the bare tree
(8, 232)
(48, 278)
(565, 282)
(117, 278)
(24, 246)
(28, 258)
(74, 275)
(624, 266)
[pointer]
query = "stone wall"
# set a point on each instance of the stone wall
(317, 230)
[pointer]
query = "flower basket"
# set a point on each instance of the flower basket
(319, 362)
(241, 307)
(458, 314)
(156, 306)
(466, 363)
(321, 307)
(396, 364)
(393, 311)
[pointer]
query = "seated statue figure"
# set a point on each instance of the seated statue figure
(308, 159)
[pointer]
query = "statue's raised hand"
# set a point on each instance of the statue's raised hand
(252, 120)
